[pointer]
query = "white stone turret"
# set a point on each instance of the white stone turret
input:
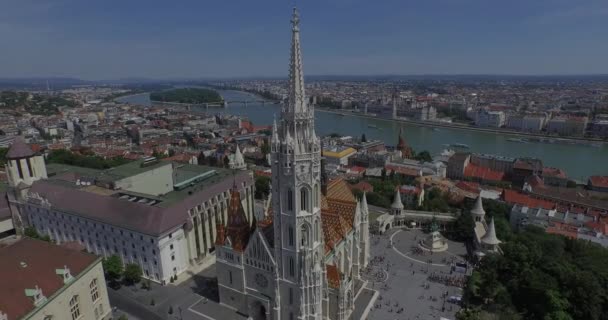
(490, 241)
(238, 161)
(478, 212)
(397, 206)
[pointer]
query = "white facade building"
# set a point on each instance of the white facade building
(166, 225)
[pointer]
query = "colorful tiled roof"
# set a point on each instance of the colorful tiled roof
(333, 276)
(237, 228)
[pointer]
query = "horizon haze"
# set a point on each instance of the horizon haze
(244, 39)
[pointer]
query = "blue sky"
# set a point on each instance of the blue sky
(241, 38)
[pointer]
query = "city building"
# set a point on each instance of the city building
(598, 183)
(43, 281)
(524, 168)
(599, 128)
(457, 163)
(492, 119)
(413, 196)
(159, 215)
(303, 260)
(338, 155)
(567, 125)
(526, 123)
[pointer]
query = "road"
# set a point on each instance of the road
(131, 306)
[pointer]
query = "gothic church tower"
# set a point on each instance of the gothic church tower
(296, 195)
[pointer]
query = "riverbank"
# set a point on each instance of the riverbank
(464, 127)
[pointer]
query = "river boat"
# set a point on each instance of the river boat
(518, 140)
(460, 145)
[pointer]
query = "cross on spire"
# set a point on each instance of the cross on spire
(295, 20)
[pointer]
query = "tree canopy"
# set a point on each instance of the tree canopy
(92, 161)
(542, 276)
(132, 273)
(112, 267)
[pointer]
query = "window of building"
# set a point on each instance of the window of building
(172, 257)
(170, 235)
(289, 199)
(171, 247)
(292, 267)
(230, 276)
(290, 295)
(101, 309)
(303, 199)
(94, 291)
(290, 236)
(74, 308)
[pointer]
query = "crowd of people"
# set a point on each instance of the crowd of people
(453, 281)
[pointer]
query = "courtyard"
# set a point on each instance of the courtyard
(412, 283)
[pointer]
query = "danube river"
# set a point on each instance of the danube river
(579, 161)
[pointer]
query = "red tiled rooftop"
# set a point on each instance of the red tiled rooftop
(28, 263)
(516, 197)
(554, 172)
(599, 181)
(483, 173)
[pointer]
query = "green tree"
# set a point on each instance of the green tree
(424, 156)
(33, 233)
(265, 147)
(113, 268)
(262, 186)
(132, 273)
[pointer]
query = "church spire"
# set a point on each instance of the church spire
(297, 97)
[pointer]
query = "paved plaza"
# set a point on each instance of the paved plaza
(398, 284)
(401, 272)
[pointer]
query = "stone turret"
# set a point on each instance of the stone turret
(490, 241)
(478, 212)
(238, 161)
(24, 166)
(397, 206)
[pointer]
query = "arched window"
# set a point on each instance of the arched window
(316, 196)
(305, 236)
(304, 199)
(317, 231)
(291, 243)
(94, 291)
(292, 267)
(289, 199)
(74, 308)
